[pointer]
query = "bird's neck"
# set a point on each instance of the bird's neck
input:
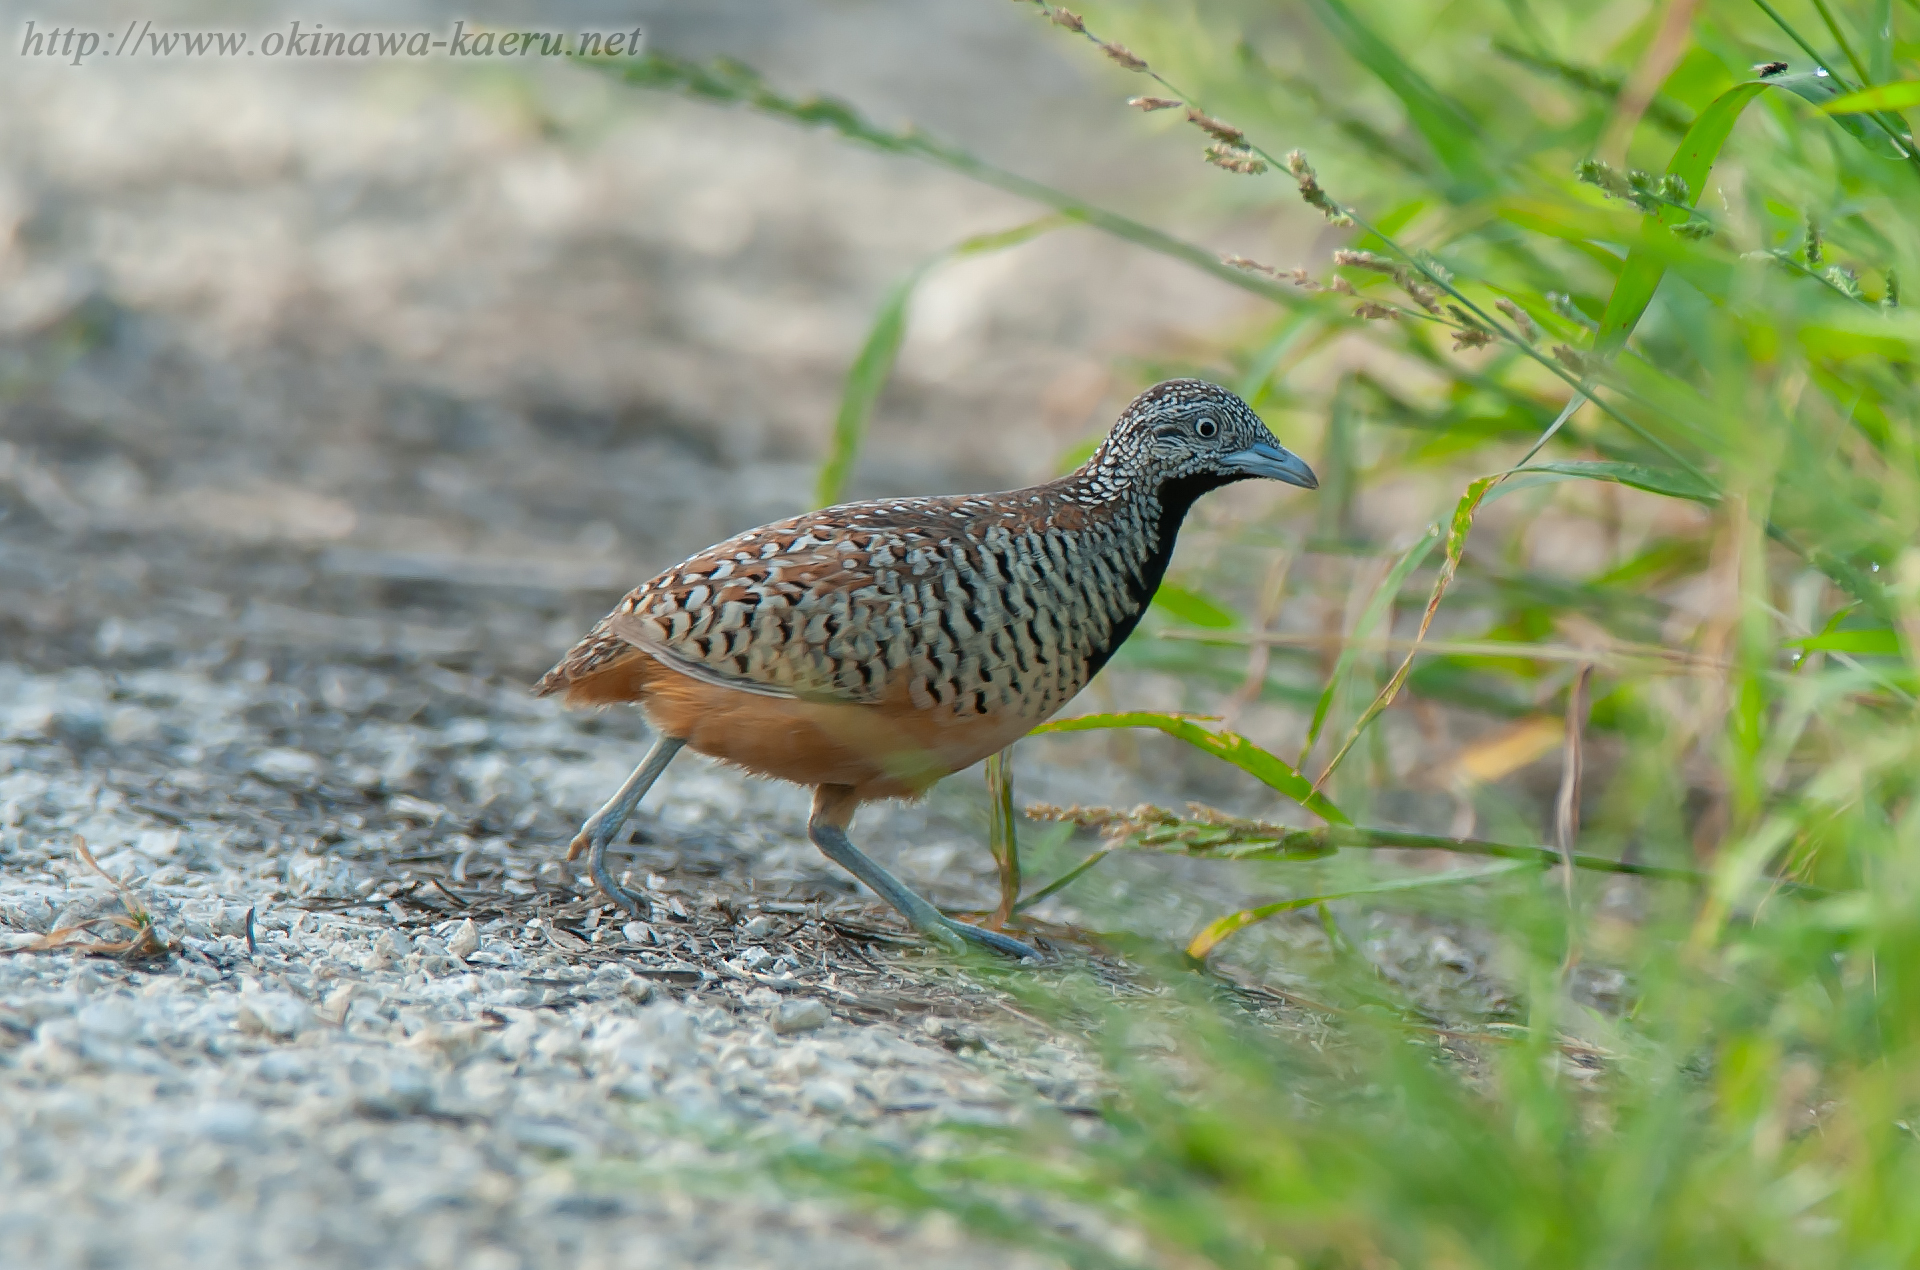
(1142, 517)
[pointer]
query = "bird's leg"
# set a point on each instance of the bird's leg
(833, 807)
(597, 833)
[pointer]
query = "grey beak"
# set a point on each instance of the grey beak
(1266, 459)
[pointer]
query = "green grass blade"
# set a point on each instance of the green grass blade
(1003, 837)
(1640, 275)
(1063, 881)
(1210, 937)
(1451, 134)
(1195, 608)
(1881, 134)
(1825, 88)
(1457, 531)
(1377, 606)
(865, 378)
(1269, 769)
(1880, 42)
(1671, 482)
(1840, 38)
(1873, 642)
(1901, 95)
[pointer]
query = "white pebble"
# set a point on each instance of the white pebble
(272, 1014)
(464, 940)
(803, 1014)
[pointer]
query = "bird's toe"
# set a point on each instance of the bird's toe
(1004, 944)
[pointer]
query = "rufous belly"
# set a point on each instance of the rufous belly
(889, 750)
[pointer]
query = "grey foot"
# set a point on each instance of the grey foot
(827, 827)
(598, 833)
(985, 938)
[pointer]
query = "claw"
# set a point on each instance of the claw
(1004, 944)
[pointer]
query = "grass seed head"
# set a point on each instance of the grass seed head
(1563, 304)
(1604, 176)
(1311, 192)
(1154, 103)
(1122, 55)
(1217, 129)
(1524, 324)
(1364, 260)
(1299, 276)
(1251, 265)
(1815, 245)
(1844, 280)
(1470, 334)
(1375, 312)
(1572, 358)
(1235, 159)
(1068, 19)
(1891, 300)
(1423, 295)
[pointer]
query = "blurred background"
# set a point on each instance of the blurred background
(470, 349)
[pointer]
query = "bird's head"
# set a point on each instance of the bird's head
(1196, 435)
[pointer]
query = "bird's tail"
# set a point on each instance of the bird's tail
(600, 670)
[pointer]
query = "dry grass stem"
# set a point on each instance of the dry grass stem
(1566, 807)
(145, 940)
(1615, 656)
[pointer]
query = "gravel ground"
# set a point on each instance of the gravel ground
(334, 403)
(385, 1032)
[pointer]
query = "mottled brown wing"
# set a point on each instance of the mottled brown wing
(814, 608)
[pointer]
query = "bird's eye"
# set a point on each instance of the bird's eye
(1207, 428)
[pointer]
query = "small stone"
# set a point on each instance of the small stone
(272, 1014)
(637, 988)
(564, 939)
(283, 1065)
(759, 928)
(225, 1121)
(286, 767)
(638, 933)
(464, 940)
(828, 1096)
(802, 1014)
(337, 1002)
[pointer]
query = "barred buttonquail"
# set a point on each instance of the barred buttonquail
(869, 649)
